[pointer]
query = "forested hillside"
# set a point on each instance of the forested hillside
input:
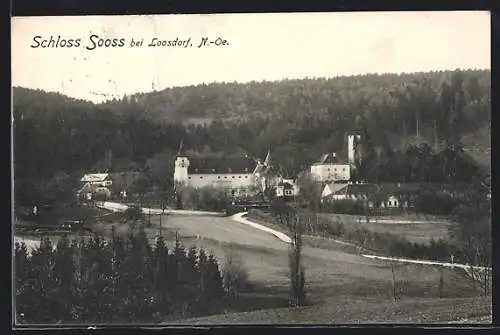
(296, 119)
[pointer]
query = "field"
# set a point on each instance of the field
(342, 286)
(414, 229)
(418, 229)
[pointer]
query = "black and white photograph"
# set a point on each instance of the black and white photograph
(246, 169)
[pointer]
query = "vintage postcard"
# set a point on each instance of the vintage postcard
(281, 168)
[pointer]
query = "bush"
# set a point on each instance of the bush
(133, 213)
(345, 207)
(435, 204)
(235, 277)
(206, 198)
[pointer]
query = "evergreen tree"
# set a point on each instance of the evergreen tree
(63, 273)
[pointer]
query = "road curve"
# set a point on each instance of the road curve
(118, 207)
(226, 230)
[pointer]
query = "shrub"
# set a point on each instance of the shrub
(206, 198)
(235, 277)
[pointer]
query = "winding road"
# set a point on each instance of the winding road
(225, 230)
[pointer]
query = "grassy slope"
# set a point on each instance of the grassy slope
(345, 310)
(343, 286)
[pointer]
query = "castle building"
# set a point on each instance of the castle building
(236, 175)
(328, 168)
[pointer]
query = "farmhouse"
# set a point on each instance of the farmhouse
(385, 196)
(97, 179)
(95, 183)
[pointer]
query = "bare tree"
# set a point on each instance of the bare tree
(290, 218)
(441, 282)
(395, 283)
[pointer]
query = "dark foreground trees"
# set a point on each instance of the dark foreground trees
(120, 281)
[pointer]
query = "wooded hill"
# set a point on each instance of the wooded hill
(298, 120)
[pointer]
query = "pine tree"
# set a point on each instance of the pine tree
(160, 274)
(63, 273)
(215, 291)
(202, 270)
(41, 275)
(178, 274)
(22, 285)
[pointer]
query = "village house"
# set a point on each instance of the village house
(373, 196)
(97, 179)
(95, 184)
(286, 189)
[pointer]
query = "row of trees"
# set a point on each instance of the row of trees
(416, 164)
(119, 281)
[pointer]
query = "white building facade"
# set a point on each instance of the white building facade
(234, 175)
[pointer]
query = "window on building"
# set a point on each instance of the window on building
(225, 177)
(239, 177)
(343, 169)
(233, 192)
(288, 192)
(246, 177)
(201, 177)
(395, 204)
(189, 177)
(233, 177)
(390, 203)
(218, 177)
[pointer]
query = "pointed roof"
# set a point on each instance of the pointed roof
(181, 147)
(94, 177)
(267, 160)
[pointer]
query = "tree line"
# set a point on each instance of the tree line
(118, 281)
(297, 119)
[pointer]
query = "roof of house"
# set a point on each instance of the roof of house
(286, 183)
(335, 187)
(330, 158)
(94, 177)
(387, 189)
(221, 165)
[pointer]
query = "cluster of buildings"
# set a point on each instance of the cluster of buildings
(245, 176)
(242, 177)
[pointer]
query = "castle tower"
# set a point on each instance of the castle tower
(352, 146)
(181, 170)
(181, 167)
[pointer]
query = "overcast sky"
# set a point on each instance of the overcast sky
(261, 47)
